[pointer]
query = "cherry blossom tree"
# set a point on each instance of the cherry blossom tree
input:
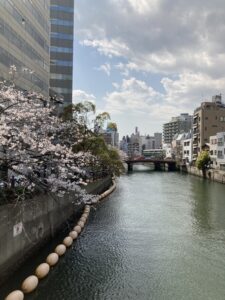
(31, 146)
(50, 152)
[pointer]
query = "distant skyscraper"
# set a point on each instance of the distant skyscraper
(24, 42)
(61, 51)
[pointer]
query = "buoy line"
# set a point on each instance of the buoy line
(31, 282)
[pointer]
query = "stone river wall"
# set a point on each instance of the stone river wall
(211, 174)
(24, 228)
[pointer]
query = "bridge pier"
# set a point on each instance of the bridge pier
(157, 166)
(172, 167)
(130, 167)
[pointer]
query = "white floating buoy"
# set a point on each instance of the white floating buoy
(81, 224)
(68, 241)
(60, 249)
(29, 284)
(83, 219)
(52, 259)
(15, 295)
(73, 234)
(77, 228)
(85, 215)
(42, 270)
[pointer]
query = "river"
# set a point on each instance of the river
(158, 236)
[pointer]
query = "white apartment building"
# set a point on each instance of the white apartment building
(217, 150)
(168, 150)
(187, 150)
(182, 147)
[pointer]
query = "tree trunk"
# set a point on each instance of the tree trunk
(4, 172)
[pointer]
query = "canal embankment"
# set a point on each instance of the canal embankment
(211, 174)
(27, 226)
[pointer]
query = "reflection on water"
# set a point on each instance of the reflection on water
(159, 236)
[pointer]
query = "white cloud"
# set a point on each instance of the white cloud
(163, 36)
(107, 47)
(105, 68)
(133, 96)
(80, 96)
(181, 41)
(183, 94)
(189, 89)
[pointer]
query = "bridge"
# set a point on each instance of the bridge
(160, 164)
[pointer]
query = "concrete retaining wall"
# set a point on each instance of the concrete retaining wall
(25, 227)
(214, 175)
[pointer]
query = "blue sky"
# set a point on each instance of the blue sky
(145, 61)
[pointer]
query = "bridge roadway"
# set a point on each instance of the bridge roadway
(160, 164)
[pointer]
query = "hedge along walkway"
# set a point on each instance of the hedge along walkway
(31, 282)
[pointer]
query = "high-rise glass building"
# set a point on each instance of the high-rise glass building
(25, 43)
(61, 50)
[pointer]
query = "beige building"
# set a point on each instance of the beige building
(25, 43)
(208, 119)
(179, 124)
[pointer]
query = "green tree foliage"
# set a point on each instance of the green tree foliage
(112, 126)
(101, 119)
(107, 159)
(203, 160)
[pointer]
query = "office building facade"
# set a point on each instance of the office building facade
(61, 50)
(25, 43)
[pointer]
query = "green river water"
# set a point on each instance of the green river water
(158, 236)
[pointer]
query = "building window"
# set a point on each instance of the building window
(62, 36)
(65, 63)
(220, 154)
(61, 76)
(61, 49)
(62, 22)
(62, 8)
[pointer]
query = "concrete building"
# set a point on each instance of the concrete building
(158, 140)
(134, 145)
(168, 150)
(187, 150)
(124, 144)
(111, 137)
(208, 119)
(152, 142)
(182, 123)
(61, 51)
(24, 43)
(181, 146)
(217, 150)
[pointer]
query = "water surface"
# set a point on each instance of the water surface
(159, 236)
